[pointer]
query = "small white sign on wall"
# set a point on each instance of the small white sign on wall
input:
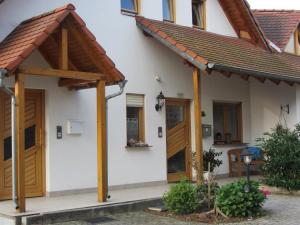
(75, 127)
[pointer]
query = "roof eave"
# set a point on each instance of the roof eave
(184, 55)
(242, 71)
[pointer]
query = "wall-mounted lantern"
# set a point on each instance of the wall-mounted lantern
(160, 101)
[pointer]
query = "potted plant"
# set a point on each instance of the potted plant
(211, 161)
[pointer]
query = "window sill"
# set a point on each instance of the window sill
(169, 21)
(135, 147)
(231, 145)
(128, 13)
(198, 27)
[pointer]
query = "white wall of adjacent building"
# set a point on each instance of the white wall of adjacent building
(71, 162)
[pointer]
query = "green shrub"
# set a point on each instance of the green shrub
(182, 198)
(281, 149)
(233, 201)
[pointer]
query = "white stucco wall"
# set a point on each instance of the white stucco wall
(266, 100)
(216, 20)
(290, 47)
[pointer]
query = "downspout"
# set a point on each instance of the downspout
(122, 85)
(3, 72)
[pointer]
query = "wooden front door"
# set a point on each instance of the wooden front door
(34, 144)
(178, 139)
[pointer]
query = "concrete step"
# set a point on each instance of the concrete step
(87, 213)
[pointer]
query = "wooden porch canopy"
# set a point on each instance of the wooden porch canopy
(75, 58)
(207, 51)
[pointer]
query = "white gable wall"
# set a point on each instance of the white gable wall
(290, 47)
(216, 20)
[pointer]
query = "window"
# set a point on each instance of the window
(30, 141)
(130, 6)
(135, 119)
(169, 10)
(227, 123)
(199, 13)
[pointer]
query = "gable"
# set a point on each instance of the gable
(240, 16)
(278, 25)
(43, 33)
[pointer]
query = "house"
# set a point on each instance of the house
(281, 27)
(209, 62)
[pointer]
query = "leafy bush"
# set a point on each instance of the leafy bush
(281, 149)
(182, 198)
(208, 197)
(233, 201)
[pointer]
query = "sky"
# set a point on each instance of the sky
(274, 4)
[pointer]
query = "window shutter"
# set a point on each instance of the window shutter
(135, 100)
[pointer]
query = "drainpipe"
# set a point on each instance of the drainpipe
(3, 72)
(122, 85)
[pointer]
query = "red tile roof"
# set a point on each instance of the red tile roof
(278, 25)
(40, 33)
(204, 49)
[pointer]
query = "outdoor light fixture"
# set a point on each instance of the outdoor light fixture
(247, 160)
(285, 108)
(160, 101)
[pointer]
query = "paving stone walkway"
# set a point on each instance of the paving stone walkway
(281, 210)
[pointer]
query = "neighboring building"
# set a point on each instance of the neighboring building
(243, 88)
(281, 28)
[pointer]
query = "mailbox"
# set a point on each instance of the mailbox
(206, 130)
(75, 127)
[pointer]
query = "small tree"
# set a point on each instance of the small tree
(281, 149)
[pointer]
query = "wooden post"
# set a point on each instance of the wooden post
(198, 124)
(64, 55)
(20, 140)
(101, 142)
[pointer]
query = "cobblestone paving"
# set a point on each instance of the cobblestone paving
(281, 210)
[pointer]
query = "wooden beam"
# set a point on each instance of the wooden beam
(72, 82)
(226, 74)
(198, 124)
(296, 42)
(245, 35)
(101, 142)
(261, 79)
(94, 58)
(20, 140)
(290, 83)
(52, 41)
(244, 77)
(63, 73)
(64, 54)
(277, 82)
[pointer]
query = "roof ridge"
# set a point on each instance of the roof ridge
(69, 7)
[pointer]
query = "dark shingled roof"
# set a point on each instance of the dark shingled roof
(201, 48)
(278, 25)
